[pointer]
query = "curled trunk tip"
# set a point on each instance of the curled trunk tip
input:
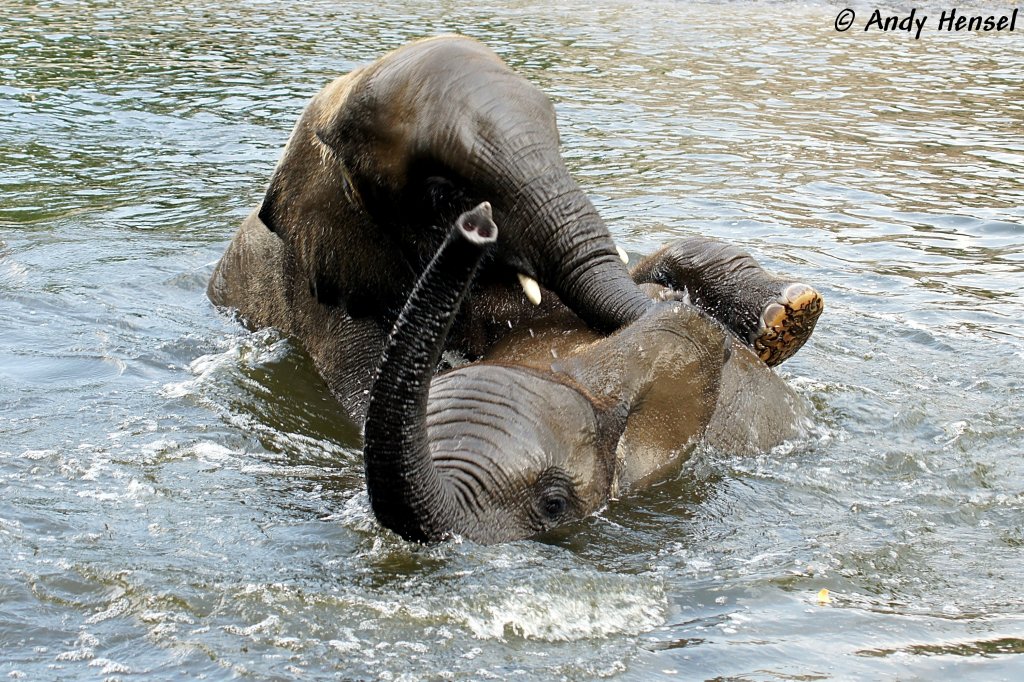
(477, 225)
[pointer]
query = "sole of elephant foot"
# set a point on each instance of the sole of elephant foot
(786, 323)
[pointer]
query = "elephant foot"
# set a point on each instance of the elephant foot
(786, 323)
(773, 315)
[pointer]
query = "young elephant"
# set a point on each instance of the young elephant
(557, 419)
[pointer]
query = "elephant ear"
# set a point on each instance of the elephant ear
(266, 210)
(284, 213)
(313, 205)
(611, 416)
(310, 174)
(284, 193)
(307, 180)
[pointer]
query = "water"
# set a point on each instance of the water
(179, 498)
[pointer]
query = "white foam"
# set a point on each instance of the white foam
(264, 626)
(253, 350)
(109, 667)
(583, 607)
(212, 452)
(99, 495)
(119, 607)
(36, 455)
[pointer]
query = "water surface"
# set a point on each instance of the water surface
(179, 497)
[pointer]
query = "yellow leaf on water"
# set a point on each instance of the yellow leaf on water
(823, 597)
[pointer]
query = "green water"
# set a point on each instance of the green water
(180, 499)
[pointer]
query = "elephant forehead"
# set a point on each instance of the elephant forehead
(508, 412)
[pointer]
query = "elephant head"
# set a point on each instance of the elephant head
(384, 158)
(511, 446)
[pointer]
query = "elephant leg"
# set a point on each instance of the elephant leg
(773, 315)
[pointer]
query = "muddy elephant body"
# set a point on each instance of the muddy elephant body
(557, 419)
(376, 169)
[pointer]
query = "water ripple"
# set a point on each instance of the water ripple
(168, 478)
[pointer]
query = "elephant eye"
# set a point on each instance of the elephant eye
(555, 496)
(554, 506)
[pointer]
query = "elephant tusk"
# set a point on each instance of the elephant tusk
(530, 288)
(623, 255)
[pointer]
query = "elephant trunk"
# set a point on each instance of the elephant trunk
(561, 240)
(588, 274)
(406, 491)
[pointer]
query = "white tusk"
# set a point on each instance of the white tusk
(622, 254)
(530, 288)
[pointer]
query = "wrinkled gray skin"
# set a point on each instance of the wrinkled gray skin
(557, 419)
(375, 171)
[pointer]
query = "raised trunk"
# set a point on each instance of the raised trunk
(406, 492)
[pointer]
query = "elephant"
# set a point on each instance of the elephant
(556, 419)
(376, 168)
